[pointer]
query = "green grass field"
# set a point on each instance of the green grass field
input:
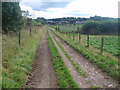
(68, 27)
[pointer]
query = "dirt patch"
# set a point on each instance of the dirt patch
(42, 74)
(96, 77)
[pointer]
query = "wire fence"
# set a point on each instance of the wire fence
(104, 43)
(12, 42)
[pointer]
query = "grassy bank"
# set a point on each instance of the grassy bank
(17, 59)
(64, 79)
(107, 64)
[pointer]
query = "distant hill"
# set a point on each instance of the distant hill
(73, 20)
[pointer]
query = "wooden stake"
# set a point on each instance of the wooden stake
(69, 34)
(30, 30)
(88, 40)
(102, 44)
(73, 36)
(79, 34)
(19, 38)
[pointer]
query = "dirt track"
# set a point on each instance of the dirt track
(96, 77)
(42, 74)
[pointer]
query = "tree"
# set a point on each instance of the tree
(109, 26)
(11, 16)
(41, 20)
(91, 27)
(100, 27)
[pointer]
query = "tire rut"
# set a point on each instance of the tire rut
(42, 73)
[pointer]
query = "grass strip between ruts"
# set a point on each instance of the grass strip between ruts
(77, 68)
(64, 79)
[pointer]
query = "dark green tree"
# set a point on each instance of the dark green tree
(41, 20)
(91, 27)
(109, 27)
(11, 16)
(100, 27)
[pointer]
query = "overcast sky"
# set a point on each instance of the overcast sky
(70, 8)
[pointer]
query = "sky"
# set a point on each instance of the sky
(70, 8)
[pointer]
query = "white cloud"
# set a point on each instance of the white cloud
(106, 8)
(47, 0)
(26, 8)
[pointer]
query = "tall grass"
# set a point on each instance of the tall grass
(17, 59)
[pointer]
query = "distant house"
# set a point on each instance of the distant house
(63, 22)
(50, 22)
(80, 22)
(57, 22)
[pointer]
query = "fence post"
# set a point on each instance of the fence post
(88, 40)
(102, 44)
(69, 34)
(19, 38)
(73, 36)
(79, 37)
(79, 34)
(58, 29)
(66, 33)
(37, 28)
(30, 29)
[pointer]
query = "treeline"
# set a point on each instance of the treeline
(95, 24)
(100, 27)
(73, 19)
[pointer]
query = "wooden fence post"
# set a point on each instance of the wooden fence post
(88, 40)
(62, 31)
(58, 29)
(79, 37)
(79, 34)
(73, 36)
(37, 28)
(30, 30)
(19, 38)
(66, 33)
(69, 34)
(102, 44)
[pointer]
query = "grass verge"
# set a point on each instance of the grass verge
(77, 68)
(107, 64)
(16, 66)
(64, 79)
